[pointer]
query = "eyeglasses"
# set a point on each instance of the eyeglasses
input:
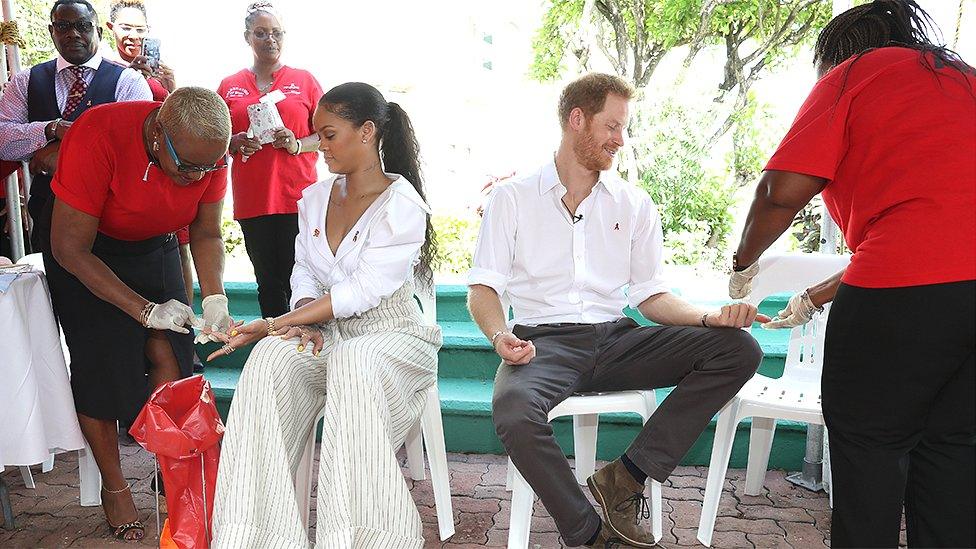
(190, 168)
(262, 34)
(82, 26)
(138, 30)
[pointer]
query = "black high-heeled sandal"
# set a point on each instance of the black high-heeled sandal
(121, 531)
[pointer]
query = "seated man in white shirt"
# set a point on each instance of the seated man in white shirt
(561, 245)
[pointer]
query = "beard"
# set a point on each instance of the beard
(590, 154)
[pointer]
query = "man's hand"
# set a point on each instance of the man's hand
(734, 315)
(513, 350)
(798, 311)
(56, 129)
(45, 160)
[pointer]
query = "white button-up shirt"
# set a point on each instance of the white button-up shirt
(373, 260)
(19, 138)
(551, 269)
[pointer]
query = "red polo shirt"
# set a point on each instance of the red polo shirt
(100, 172)
(272, 180)
(898, 146)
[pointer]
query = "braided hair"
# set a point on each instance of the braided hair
(879, 24)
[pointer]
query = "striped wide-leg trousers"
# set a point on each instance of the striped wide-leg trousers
(370, 378)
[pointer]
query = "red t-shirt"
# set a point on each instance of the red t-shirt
(272, 180)
(100, 170)
(898, 146)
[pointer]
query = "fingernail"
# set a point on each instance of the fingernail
(301, 348)
(316, 353)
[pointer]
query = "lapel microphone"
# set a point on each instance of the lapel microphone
(577, 218)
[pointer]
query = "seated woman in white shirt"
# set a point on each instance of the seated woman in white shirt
(354, 344)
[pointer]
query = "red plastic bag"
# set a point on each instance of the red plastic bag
(180, 424)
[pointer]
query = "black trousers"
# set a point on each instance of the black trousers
(708, 366)
(270, 243)
(898, 400)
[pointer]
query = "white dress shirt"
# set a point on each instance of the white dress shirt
(19, 139)
(373, 260)
(551, 269)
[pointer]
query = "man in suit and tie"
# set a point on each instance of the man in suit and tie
(39, 104)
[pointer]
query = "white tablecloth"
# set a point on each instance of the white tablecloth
(37, 411)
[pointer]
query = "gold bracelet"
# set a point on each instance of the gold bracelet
(270, 321)
(146, 311)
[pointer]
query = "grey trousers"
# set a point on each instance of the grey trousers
(707, 366)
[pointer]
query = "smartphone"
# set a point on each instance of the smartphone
(150, 48)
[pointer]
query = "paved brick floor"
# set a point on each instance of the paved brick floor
(783, 516)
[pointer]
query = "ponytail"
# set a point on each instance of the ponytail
(400, 153)
(398, 148)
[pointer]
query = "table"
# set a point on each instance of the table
(37, 412)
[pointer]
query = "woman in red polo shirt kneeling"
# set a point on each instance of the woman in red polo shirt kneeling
(268, 180)
(129, 175)
(887, 135)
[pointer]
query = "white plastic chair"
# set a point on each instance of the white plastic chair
(429, 432)
(586, 410)
(794, 396)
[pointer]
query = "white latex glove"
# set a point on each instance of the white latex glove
(171, 315)
(740, 283)
(798, 311)
(216, 318)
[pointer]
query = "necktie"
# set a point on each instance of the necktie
(78, 90)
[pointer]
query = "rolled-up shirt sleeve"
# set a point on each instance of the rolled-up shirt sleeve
(647, 256)
(386, 261)
(494, 253)
(19, 139)
(303, 284)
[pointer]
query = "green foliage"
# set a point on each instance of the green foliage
(456, 238)
(694, 203)
(754, 141)
(233, 237)
(32, 20)
(552, 38)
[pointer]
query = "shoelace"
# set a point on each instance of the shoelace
(639, 502)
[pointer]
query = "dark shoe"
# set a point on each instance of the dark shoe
(623, 502)
(606, 539)
(197, 365)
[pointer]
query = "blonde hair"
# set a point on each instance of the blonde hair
(589, 93)
(196, 111)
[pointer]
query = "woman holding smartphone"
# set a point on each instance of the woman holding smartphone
(268, 179)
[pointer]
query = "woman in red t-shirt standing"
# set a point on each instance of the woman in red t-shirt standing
(887, 136)
(268, 180)
(129, 175)
(129, 23)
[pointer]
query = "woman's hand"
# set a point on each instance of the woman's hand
(166, 77)
(285, 139)
(241, 143)
(238, 337)
(141, 63)
(305, 335)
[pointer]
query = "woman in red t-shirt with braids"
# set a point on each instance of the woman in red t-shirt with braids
(268, 180)
(887, 135)
(130, 174)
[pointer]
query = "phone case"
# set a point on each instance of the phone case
(264, 121)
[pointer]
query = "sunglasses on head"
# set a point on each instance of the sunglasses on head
(191, 168)
(82, 26)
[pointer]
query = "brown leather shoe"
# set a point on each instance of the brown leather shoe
(623, 502)
(607, 539)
